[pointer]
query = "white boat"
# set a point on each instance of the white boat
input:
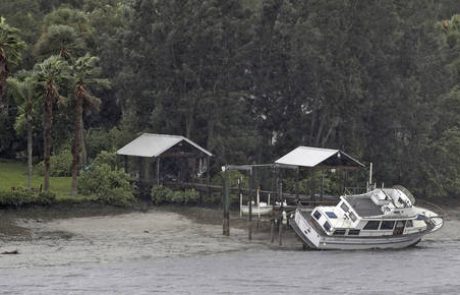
(259, 208)
(382, 218)
(262, 209)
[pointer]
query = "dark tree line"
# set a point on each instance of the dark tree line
(250, 80)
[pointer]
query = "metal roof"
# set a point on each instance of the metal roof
(306, 156)
(153, 145)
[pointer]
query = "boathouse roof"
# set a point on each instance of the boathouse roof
(306, 156)
(150, 145)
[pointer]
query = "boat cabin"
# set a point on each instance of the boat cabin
(381, 212)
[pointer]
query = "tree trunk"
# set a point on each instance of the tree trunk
(3, 77)
(48, 121)
(29, 154)
(83, 150)
(76, 140)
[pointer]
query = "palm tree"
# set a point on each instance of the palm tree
(25, 95)
(50, 73)
(10, 48)
(61, 40)
(86, 75)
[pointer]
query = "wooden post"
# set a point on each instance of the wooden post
(280, 228)
(240, 193)
(158, 171)
(322, 186)
(226, 229)
(258, 206)
(275, 189)
(208, 176)
(272, 230)
(251, 183)
(297, 184)
(141, 170)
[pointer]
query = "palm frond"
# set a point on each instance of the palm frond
(11, 44)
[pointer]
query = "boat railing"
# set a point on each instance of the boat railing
(354, 190)
(432, 224)
(430, 205)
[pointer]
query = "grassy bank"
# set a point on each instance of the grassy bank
(13, 174)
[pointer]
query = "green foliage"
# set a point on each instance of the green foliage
(234, 176)
(15, 198)
(311, 183)
(110, 186)
(60, 164)
(98, 140)
(21, 197)
(250, 80)
(11, 44)
(163, 195)
(25, 94)
(107, 158)
(46, 198)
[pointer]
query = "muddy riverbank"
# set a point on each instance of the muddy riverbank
(182, 251)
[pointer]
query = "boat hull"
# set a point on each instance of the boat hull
(266, 210)
(311, 237)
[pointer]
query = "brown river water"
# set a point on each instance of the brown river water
(184, 252)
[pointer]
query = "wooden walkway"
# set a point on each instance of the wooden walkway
(291, 198)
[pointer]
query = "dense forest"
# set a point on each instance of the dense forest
(247, 79)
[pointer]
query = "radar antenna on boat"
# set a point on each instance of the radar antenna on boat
(406, 192)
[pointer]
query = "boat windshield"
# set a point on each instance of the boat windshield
(331, 214)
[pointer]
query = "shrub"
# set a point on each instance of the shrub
(15, 198)
(60, 164)
(22, 197)
(105, 157)
(109, 185)
(161, 195)
(46, 198)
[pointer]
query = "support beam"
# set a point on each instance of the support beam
(158, 171)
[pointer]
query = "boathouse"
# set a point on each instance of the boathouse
(310, 157)
(161, 158)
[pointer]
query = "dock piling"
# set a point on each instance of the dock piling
(226, 224)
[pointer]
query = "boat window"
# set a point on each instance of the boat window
(353, 216)
(339, 232)
(372, 225)
(344, 207)
(387, 224)
(331, 214)
(353, 232)
(400, 223)
(409, 223)
(317, 215)
(327, 226)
